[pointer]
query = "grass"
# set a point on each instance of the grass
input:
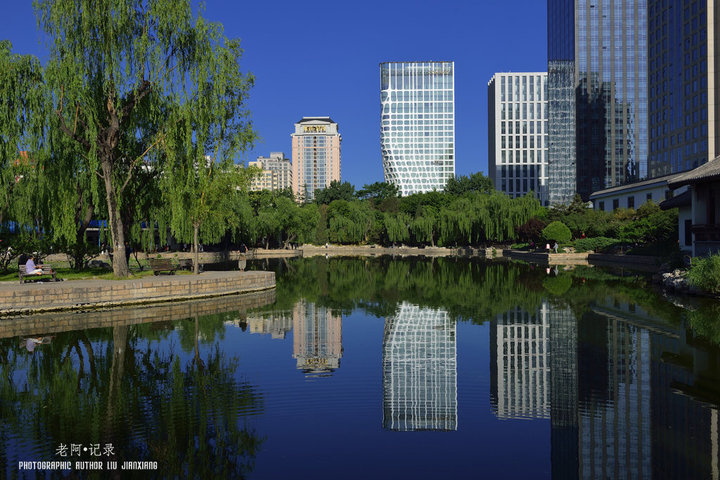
(64, 272)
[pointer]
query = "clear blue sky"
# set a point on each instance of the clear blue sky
(321, 58)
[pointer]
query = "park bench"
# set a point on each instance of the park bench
(185, 264)
(160, 265)
(46, 270)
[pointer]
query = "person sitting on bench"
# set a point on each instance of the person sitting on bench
(31, 268)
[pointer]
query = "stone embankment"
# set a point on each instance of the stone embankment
(56, 322)
(84, 294)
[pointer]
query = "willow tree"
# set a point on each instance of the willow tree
(22, 133)
(120, 74)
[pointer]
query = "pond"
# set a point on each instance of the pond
(374, 368)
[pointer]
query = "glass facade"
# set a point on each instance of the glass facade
(562, 169)
(517, 157)
(608, 50)
(678, 82)
(417, 133)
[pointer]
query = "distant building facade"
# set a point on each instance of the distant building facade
(517, 136)
(276, 172)
(417, 133)
(597, 94)
(683, 81)
(315, 156)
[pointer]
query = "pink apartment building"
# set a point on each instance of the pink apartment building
(315, 156)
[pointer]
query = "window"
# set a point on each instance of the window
(631, 202)
(602, 206)
(616, 204)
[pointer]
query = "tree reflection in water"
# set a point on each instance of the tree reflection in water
(116, 386)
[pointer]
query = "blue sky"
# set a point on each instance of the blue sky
(322, 58)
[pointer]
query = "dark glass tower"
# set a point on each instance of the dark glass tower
(682, 74)
(597, 94)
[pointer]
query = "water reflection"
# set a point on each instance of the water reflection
(419, 370)
(590, 376)
(630, 396)
(317, 339)
(519, 363)
(129, 387)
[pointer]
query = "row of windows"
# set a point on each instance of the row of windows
(525, 126)
(519, 185)
(528, 141)
(522, 156)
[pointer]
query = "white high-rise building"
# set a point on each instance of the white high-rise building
(417, 134)
(517, 134)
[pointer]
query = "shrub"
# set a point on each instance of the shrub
(596, 244)
(704, 273)
(558, 232)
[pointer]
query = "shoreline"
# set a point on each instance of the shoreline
(42, 297)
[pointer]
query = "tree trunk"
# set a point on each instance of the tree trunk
(80, 250)
(120, 264)
(196, 244)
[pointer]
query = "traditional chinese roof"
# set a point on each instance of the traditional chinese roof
(682, 200)
(628, 187)
(704, 173)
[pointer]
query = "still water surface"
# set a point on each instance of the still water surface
(377, 368)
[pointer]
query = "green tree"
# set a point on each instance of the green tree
(335, 191)
(23, 139)
(126, 79)
(476, 182)
(558, 232)
(378, 192)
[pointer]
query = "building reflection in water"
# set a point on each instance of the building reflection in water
(276, 324)
(519, 364)
(630, 396)
(419, 370)
(317, 339)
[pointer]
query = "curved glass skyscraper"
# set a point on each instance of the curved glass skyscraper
(417, 133)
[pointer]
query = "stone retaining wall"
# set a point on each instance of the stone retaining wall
(52, 323)
(46, 296)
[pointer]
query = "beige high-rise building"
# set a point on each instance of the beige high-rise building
(315, 156)
(276, 172)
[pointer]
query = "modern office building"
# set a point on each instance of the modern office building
(683, 81)
(315, 156)
(517, 133)
(317, 339)
(419, 370)
(417, 133)
(597, 95)
(276, 172)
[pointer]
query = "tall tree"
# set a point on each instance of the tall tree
(336, 191)
(22, 131)
(123, 75)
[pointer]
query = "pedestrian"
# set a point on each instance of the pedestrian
(555, 247)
